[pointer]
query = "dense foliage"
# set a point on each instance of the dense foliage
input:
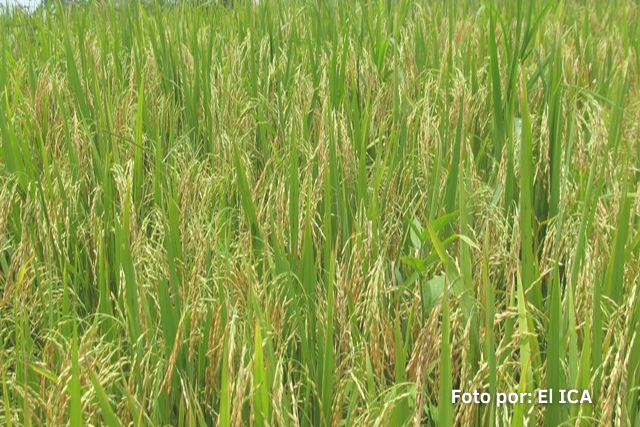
(319, 213)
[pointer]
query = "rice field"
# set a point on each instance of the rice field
(319, 213)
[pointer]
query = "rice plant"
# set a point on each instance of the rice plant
(319, 212)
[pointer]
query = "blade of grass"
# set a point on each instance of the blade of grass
(75, 391)
(534, 293)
